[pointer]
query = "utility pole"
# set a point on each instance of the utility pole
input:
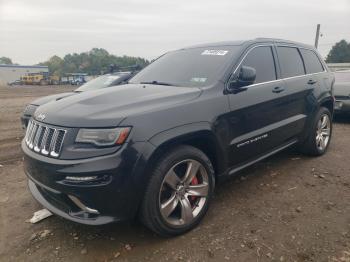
(317, 35)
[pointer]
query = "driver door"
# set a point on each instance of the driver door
(256, 111)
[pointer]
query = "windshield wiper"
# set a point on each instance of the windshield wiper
(157, 83)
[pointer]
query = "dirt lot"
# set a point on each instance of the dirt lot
(287, 208)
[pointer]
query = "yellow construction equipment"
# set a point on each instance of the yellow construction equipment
(42, 78)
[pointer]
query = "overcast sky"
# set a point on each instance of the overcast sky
(31, 31)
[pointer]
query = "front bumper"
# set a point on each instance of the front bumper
(115, 194)
(51, 200)
(342, 106)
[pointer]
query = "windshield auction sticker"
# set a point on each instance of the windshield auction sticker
(215, 52)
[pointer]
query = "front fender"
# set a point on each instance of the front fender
(178, 132)
(201, 135)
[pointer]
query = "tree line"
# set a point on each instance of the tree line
(94, 62)
(98, 61)
(340, 53)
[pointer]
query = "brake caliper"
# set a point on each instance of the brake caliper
(194, 182)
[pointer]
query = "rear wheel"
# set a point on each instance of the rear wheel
(179, 192)
(320, 134)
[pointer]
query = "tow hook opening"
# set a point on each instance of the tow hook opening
(83, 207)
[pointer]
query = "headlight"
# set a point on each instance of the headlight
(103, 137)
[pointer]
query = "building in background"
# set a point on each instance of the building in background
(11, 73)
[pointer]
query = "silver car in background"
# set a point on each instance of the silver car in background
(342, 91)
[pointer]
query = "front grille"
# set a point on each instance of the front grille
(43, 139)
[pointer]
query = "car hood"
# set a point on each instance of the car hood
(108, 107)
(43, 100)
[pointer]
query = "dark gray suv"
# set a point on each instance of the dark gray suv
(157, 147)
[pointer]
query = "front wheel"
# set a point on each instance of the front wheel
(179, 192)
(320, 134)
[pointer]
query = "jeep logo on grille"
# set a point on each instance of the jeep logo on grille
(40, 117)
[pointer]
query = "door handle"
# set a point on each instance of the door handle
(311, 82)
(278, 89)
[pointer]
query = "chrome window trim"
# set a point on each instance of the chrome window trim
(248, 51)
(241, 61)
(278, 79)
(286, 78)
(267, 82)
(301, 47)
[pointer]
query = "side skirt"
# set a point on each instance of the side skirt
(244, 165)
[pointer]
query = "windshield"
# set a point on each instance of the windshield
(98, 82)
(194, 67)
(342, 76)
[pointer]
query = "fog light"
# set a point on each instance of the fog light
(81, 178)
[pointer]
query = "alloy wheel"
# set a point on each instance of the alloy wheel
(184, 192)
(323, 132)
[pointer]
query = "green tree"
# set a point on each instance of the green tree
(55, 65)
(5, 60)
(340, 53)
(96, 61)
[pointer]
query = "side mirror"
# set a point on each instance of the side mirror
(246, 77)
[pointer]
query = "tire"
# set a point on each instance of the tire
(311, 145)
(156, 214)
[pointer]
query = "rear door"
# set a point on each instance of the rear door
(316, 74)
(256, 112)
(298, 89)
(319, 81)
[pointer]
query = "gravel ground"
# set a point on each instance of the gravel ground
(287, 208)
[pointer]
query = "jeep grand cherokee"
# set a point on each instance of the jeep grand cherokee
(157, 147)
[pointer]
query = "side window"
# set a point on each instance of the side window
(312, 63)
(261, 59)
(290, 61)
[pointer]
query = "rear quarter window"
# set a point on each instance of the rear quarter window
(290, 61)
(312, 62)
